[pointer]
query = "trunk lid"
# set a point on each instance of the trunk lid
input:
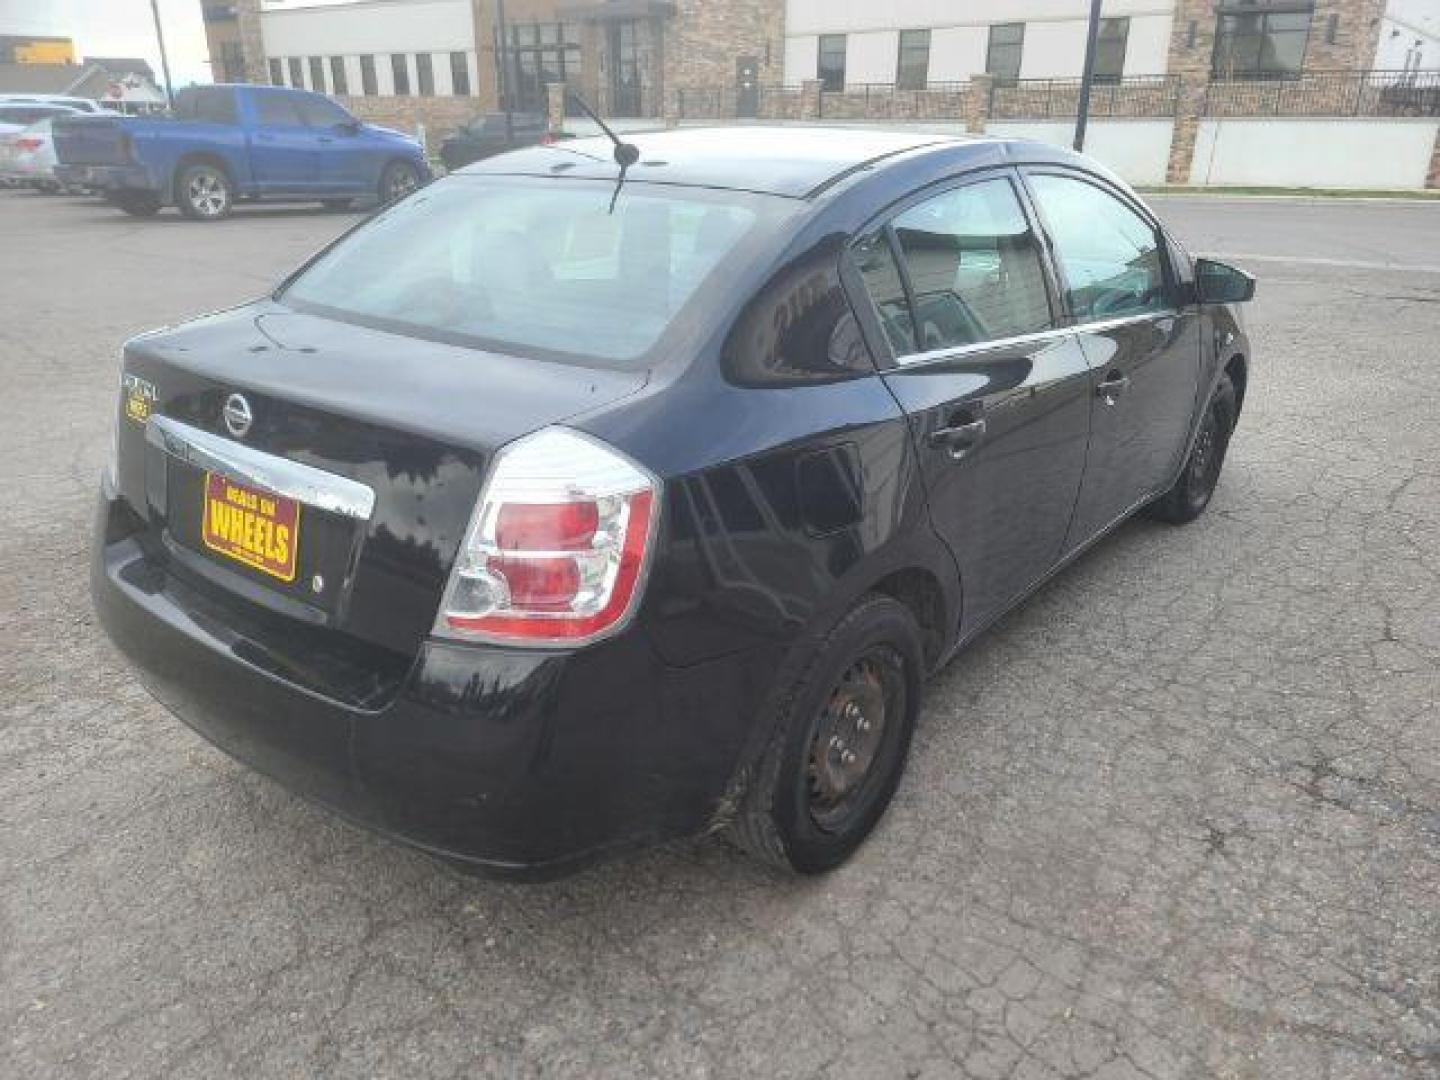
(415, 422)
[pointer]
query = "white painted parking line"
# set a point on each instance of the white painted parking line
(1312, 260)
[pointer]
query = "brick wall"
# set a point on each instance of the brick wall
(706, 37)
(440, 115)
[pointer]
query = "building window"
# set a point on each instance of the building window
(296, 78)
(542, 53)
(1002, 58)
(400, 73)
(1110, 50)
(425, 74)
(831, 63)
(1260, 44)
(232, 63)
(338, 83)
(912, 70)
(277, 73)
(368, 85)
(459, 75)
(317, 74)
(1332, 29)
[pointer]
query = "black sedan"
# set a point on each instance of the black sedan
(565, 507)
(489, 135)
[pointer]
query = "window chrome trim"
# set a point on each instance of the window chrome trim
(1098, 327)
(279, 476)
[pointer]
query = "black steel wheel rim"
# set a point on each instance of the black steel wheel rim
(850, 737)
(1205, 458)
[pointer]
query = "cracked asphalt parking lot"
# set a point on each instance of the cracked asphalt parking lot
(1178, 816)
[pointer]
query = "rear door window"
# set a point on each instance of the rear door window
(1108, 254)
(973, 267)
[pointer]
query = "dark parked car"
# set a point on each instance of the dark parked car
(227, 144)
(487, 136)
(524, 531)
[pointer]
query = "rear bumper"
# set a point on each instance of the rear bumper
(110, 177)
(515, 763)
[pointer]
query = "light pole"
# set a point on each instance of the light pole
(164, 59)
(504, 58)
(1087, 76)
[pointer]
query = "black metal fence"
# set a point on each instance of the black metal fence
(1037, 99)
(1315, 93)
(885, 101)
(1328, 93)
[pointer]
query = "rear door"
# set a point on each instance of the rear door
(1142, 344)
(995, 386)
(283, 148)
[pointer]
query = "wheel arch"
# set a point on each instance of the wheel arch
(201, 157)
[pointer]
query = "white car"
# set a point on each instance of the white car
(79, 104)
(27, 158)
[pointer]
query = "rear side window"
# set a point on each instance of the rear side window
(535, 265)
(206, 106)
(1109, 255)
(276, 110)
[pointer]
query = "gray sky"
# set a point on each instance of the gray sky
(118, 28)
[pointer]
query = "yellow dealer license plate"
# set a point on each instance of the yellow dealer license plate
(250, 526)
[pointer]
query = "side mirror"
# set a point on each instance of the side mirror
(1220, 283)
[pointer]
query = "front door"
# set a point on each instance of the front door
(996, 389)
(624, 68)
(1143, 348)
(747, 88)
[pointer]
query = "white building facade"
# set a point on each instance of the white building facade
(373, 47)
(859, 41)
(1409, 36)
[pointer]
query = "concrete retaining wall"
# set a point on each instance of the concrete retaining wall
(1373, 152)
(1138, 150)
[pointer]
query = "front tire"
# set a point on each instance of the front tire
(204, 192)
(841, 735)
(399, 179)
(1191, 494)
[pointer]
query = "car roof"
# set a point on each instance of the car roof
(777, 160)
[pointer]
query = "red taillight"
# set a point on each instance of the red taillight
(546, 526)
(29, 142)
(556, 551)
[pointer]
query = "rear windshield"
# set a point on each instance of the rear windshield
(536, 265)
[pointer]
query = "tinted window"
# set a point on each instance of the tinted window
(459, 75)
(368, 84)
(912, 68)
(400, 73)
(535, 264)
(1110, 49)
(1002, 58)
(831, 62)
(208, 106)
(277, 77)
(882, 281)
(296, 79)
(317, 74)
(425, 74)
(975, 268)
(1108, 254)
(276, 110)
(320, 113)
(338, 83)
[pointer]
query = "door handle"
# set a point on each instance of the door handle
(959, 439)
(1112, 386)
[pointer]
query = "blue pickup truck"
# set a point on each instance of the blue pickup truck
(228, 144)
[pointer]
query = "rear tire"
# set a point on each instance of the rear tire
(1191, 494)
(139, 204)
(204, 192)
(841, 734)
(399, 179)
